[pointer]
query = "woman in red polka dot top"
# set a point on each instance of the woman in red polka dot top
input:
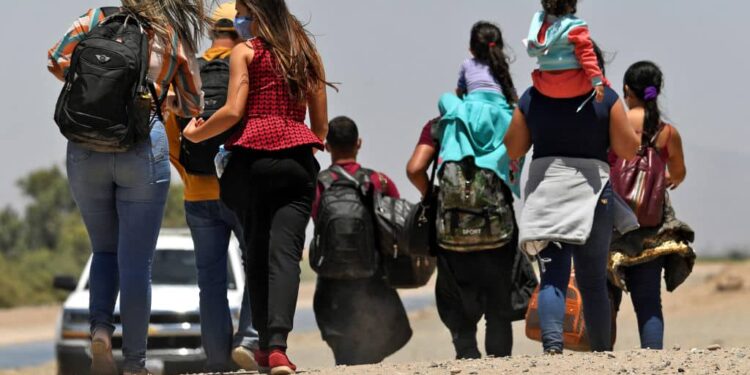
(276, 76)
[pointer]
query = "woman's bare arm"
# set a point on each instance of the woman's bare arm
(317, 103)
(231, 113)
(518, 138)
(676, 163)
(418, 166)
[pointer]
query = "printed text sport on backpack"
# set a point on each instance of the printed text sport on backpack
(343, 247)
(198, 158)
(473, 214)
(106, 102)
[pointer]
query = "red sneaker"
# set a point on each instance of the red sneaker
(280, 363)
(261, 357)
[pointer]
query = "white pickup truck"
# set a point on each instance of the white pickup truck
(174, 341)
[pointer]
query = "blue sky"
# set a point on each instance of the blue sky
(394, 58)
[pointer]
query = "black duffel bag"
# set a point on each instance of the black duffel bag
(405, 233)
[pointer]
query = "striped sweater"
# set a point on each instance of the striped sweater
(170, 65)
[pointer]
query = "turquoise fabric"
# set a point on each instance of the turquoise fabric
(557, 52)
(476, 126)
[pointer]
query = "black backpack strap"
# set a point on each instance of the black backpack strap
(146, 57)
(435, 159)
(361, 178)
(326, 178)
(342, 173)
(158, 100)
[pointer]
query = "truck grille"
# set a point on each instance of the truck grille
(169, 318)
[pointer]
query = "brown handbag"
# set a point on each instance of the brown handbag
(574, 327)
(642, 183)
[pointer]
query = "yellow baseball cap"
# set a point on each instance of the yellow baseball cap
(224, 11)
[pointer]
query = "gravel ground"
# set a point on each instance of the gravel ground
(697, 316)
(710, 360)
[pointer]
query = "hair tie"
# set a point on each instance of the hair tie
(651, 93)
(491, 44)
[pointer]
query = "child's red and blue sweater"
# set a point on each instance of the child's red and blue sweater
(568, 66)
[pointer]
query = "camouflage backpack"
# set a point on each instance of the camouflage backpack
(473, 214)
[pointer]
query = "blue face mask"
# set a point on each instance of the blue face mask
(242, 25)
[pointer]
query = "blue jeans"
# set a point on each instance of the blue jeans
(644, 283)
(591, 273)
(211, 225)
(121, 197)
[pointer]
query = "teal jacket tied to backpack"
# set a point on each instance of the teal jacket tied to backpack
(476, 126)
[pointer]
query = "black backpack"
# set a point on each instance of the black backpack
(198, 158)
(344, 246)
(106, 102)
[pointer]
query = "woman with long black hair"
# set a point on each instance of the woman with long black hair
(276, 76)
(638, 257)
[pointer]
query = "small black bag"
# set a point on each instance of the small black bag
(524, 283)
(420, 236)
(198, 158)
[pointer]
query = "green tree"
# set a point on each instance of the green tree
(11, 232)
(50, 238)
(51, 201)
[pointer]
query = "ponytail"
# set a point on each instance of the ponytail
(501, 71)
(652, 120)
(645, 80)
(488, 47)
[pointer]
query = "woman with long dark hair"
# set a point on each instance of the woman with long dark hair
(122, 193)
(275, 78)
(638, 257)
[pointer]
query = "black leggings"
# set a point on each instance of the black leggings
(272, 194)
(472, 285)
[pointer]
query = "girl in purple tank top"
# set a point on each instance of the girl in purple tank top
(487, 69)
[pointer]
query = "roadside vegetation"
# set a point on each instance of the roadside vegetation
(47, 238)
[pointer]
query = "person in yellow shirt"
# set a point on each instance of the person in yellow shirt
(211, 223)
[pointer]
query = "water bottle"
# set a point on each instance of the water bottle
(221, 160)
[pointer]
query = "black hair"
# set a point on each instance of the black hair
(488, 47)
(224, 28)
(342, 134)
(560, 7)
(639, 78)
(600, 58)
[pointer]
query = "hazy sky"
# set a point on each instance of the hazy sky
(395, 57)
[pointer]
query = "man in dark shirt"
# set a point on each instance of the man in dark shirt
(363, 321)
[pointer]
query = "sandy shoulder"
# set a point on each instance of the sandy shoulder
(28, 324)
(700, 361)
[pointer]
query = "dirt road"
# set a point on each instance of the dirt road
(696, 315)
